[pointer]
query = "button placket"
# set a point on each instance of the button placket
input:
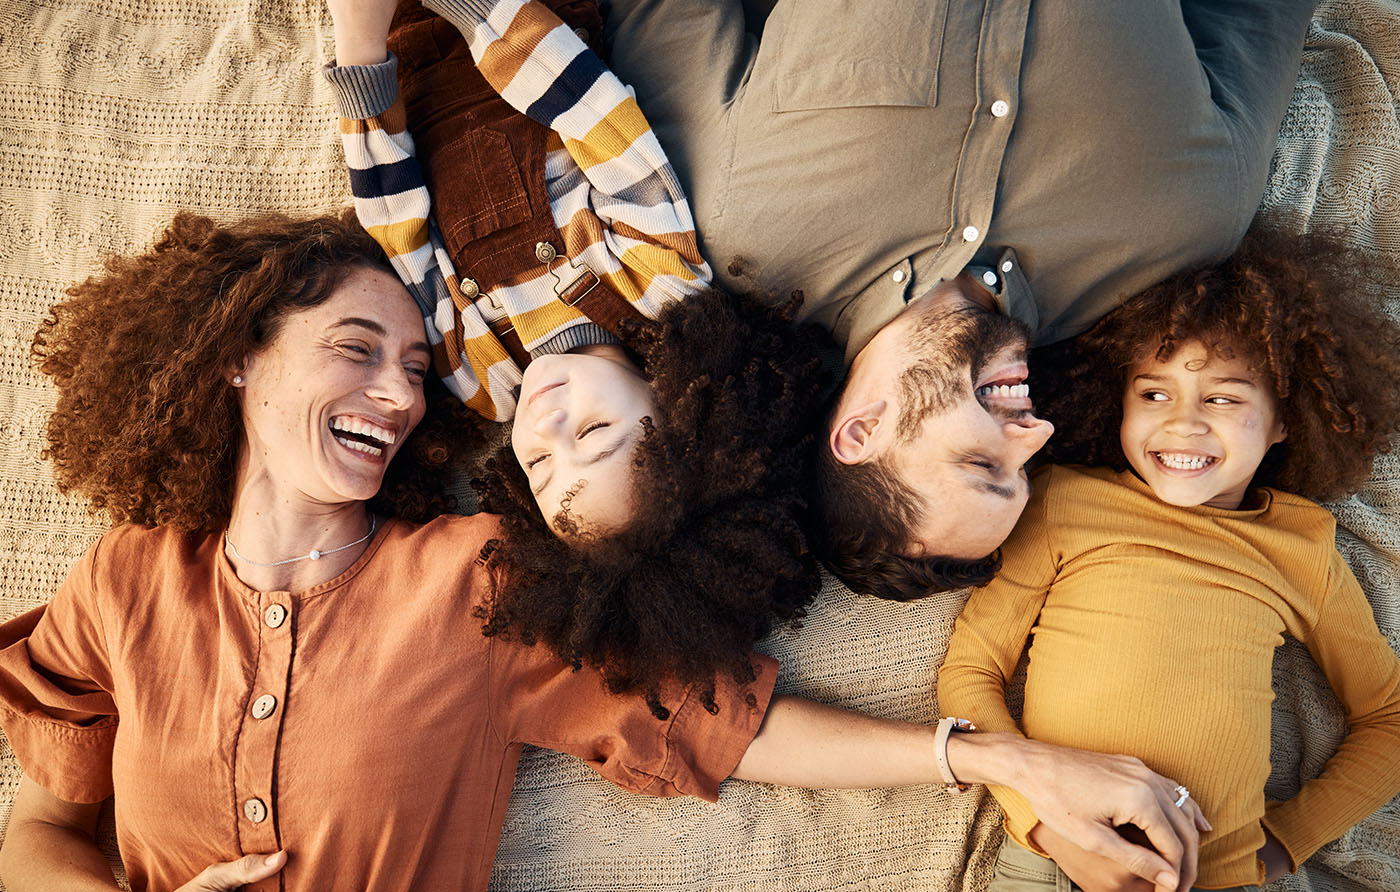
(260, 728)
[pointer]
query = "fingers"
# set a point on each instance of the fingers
(232, 874)
(1138, 860)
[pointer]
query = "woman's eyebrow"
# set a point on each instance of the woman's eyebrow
(362, 323)
(376, 328)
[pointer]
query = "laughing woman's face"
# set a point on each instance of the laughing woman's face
(328, 403)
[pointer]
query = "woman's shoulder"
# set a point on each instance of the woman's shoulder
(132, 543)
(455, 535)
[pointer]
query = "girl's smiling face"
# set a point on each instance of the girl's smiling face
(1196, 427)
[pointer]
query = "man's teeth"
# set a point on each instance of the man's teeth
(364, 428)
(1005, 391)
(1184, 462)
(359, 447)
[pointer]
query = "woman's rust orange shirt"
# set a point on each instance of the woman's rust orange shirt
(365, 724)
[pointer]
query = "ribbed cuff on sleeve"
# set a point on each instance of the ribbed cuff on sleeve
(364, 91)
(584, 334)
(464, 14)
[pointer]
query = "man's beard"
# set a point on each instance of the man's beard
(950, 351)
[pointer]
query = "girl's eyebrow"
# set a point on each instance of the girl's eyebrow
(1245, 381)
(609, 450)
(1146, 376)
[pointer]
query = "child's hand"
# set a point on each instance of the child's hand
(361, 30)
(1274, 856)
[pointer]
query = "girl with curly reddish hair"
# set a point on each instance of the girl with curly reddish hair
(1158, 580)
(275, 664)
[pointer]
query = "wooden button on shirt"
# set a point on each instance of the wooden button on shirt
(365, 724)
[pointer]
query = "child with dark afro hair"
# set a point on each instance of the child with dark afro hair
(1155, 579)
(713, 555)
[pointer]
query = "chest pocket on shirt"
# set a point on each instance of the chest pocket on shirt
(850, 53)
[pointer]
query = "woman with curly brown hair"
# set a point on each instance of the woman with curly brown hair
(1159, 583)
(275, 664)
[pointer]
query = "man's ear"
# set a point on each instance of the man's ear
(853, 433)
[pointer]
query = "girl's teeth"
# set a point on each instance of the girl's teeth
(1184, 462)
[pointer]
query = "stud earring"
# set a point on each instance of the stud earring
(237, 379)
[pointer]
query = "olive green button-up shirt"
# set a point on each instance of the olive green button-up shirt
(863, 150)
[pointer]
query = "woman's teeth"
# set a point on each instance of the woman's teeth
(360, 447)
(1181, 462)
(353, 425)
(1005, 391)
(361, 435)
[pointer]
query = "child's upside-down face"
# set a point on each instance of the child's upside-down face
(1196, 427)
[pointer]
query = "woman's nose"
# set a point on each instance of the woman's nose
(396, 387)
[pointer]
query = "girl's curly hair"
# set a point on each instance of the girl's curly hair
(1305, 310)
(147, 429)
(715, 554)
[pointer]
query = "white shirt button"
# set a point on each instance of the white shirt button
(1006, 266)
(898, 276)
(254, 810)
(970, 234)
(581, 34)
(1000, 108)
(275, 615)
(989, 278)
(263, 706)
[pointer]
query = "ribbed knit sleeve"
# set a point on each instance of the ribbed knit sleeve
(393, 205)
(1364, 773)
(991, 633)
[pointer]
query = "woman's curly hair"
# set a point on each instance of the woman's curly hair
(1304, 310)
(147, 427)
(714, 555)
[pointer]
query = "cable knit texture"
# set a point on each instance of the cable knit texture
(116, 113)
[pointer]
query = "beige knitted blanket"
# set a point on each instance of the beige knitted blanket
(116, 113)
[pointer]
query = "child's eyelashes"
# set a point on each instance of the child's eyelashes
(591, 427)
(530, 464)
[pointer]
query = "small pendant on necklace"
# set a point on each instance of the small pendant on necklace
(314, 555)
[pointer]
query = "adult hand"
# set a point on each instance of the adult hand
(1085, 796)
(230, 875)
(361, 30)
(1088, 871)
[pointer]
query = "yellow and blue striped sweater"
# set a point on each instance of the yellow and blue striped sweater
(614, 196)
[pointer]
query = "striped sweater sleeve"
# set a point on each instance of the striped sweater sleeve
(614, 184)
(393, 205)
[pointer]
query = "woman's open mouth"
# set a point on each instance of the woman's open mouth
(361, 435)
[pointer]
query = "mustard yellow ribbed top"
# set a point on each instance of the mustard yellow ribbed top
(1152, 633)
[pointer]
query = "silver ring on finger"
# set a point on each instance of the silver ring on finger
(1183, 794)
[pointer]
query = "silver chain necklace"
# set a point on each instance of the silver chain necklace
(313, 555)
